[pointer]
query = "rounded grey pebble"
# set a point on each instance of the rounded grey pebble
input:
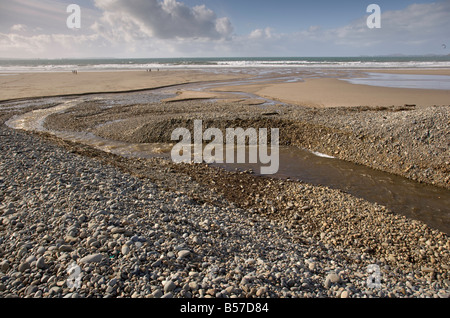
(93, 258)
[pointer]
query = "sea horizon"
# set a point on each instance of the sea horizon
(8, 65)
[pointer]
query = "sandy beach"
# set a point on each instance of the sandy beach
(150, 228)
(310, 93)
(339, 93)
(28, 85)
(332, 92)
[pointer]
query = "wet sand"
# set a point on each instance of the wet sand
(313, 92)
(414, 71)
(331, 92)
(29, 85)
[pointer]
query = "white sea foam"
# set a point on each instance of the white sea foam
(322, 155)
(19, 66)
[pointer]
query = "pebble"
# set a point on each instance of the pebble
(65, 248)
(40, 263)
(4, 266)
(183, 254)
(334, 278)
(157, 293)
(189, 248)
(169, 286)
(125, 249)
(24, 266)
(92, 258)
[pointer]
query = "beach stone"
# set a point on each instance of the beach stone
(110, 289)
(169, 286)
(38, 294)
(30, 259)
(125, 249)
(4, 266)
(184, 253)
(117, 230)
(31, 290)
(156, 263)
(92, 258)
(55, 290)
(24, 266)
(331, 279)
(197, 240)
(261, 291)
(334, 278)
(66, 248)
(165, 208)
(344, 294)
(22, 251)
(112, 282)
(427, 269)
(40, 250)
(157, 293)
(40, 263)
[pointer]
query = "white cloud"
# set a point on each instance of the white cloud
(224, 27)
(266, 33)
(413, 28)
(48, 45)
(166, 28)
(18, 28)
(417, 29)
(166, 19)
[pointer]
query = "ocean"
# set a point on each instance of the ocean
(114, 64)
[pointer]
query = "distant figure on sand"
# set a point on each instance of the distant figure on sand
(75, 72)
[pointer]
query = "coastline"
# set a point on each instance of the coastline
(227, 216)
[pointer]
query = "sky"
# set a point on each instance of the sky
(222, 28)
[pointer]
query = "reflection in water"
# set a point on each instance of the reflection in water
(424, 202)
(404, 81)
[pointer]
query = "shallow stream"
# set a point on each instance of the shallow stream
(423, 202)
